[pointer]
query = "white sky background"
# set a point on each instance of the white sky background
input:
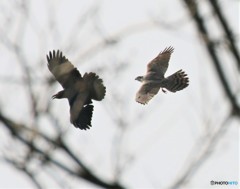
(156, 146)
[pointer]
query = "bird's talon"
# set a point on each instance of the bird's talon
(164, 91)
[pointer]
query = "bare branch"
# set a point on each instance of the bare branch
(82, 172)
(24, 168)
(229, 35)
(205, 150)
(210, 46)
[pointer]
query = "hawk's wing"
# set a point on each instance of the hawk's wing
(159, 65)
(146, 92)
(98, 90)
(62, 69)
(81, 111)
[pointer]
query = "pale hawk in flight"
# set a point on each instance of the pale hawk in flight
(154, 78)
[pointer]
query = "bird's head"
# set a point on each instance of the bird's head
(139, 78)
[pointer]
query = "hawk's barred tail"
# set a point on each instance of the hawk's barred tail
(176, 81)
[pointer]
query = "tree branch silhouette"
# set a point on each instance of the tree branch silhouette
(228, 32)
(211, 49)
(17, 130)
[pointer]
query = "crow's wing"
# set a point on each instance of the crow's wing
(97, 89)
(147, 92)
(62, 69)
(81, 110)
(159, 65)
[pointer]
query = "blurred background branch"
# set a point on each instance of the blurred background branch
(211, 47)
(161, 145)
(18, 131)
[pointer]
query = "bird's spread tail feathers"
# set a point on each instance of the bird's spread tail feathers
(176, 81)
(98, 89)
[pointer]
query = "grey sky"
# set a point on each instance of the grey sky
(161, 138)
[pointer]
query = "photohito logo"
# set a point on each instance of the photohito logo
(233, 183)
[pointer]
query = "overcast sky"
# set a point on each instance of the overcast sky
(161, 144)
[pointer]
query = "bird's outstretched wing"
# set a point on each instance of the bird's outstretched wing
(146, 92)
(81, 108)
(159, 65)
(98, 90)
(62, 69)
(81, 111)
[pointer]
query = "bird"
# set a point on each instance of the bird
(79, 90)
(155, 79)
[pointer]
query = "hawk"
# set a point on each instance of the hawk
(80, 91)
(154, 78)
